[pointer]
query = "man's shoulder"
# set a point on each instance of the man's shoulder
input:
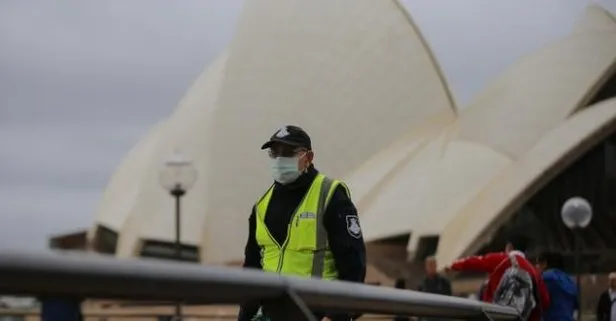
(341, 190)
(333, 180)
(497, 254)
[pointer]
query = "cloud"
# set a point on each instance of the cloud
(82, 81)
(107, 58)
(79, 84)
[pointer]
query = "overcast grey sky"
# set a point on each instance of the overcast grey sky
(81, 81)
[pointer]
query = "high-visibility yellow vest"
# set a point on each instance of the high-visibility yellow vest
(305, 252)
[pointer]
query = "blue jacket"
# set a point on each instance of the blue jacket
(61, 309)
(563, 296)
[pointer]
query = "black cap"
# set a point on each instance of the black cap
(290, 135)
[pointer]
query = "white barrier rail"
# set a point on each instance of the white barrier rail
(94, 276)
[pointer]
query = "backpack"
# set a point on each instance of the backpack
(515, 289)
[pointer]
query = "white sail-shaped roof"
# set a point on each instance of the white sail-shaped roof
(335, 68)
(339, 69)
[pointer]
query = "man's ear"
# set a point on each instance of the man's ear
(310, 155)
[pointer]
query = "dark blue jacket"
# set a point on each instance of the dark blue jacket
(60, 309)
(563, 296)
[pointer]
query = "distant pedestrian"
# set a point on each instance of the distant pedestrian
(606, 307)
(512, 278)
(434, 282)
(61, 309)
(563, 291)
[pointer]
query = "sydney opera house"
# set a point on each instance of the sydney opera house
(429, 176)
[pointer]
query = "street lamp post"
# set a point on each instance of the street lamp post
(576, 213)
(177, 176)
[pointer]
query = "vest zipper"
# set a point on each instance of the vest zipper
(283, 249)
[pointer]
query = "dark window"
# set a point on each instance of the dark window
(73, 241)
(167, 250)
(105, 240)
(401, 239)
(427, 246)
(607, 91)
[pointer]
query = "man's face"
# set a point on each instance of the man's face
(613, 283)
(430, 267)
(508, 248)
(541, 266)
(283, 150)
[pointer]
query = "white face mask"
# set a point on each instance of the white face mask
(285, 170)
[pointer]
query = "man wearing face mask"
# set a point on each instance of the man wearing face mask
(305, 224)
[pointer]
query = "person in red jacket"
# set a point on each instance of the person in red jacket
(496, 263)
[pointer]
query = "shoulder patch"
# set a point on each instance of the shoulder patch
(353, 228)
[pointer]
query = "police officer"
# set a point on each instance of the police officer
(305, 224)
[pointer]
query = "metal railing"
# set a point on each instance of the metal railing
(285, 298)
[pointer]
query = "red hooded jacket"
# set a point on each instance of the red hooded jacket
(495, 264)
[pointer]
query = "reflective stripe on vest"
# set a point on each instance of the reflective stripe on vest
(305, 251)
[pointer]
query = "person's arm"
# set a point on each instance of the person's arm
(486, 263)
(346, 243)
(252, 259)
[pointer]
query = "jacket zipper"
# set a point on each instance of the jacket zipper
(283, 249)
